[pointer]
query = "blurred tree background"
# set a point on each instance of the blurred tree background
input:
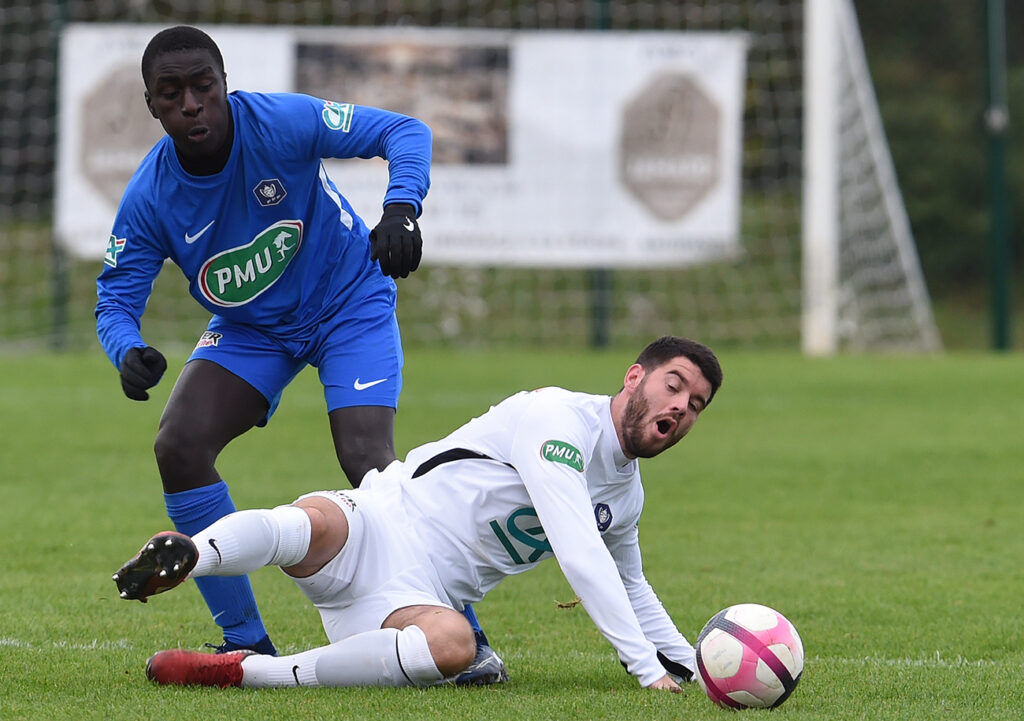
(927, 59)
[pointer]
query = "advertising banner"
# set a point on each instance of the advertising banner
(551, 149)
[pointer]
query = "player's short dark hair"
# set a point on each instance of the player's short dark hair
(181, 37)
(668, 347)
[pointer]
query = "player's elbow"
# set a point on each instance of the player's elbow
(424, 130)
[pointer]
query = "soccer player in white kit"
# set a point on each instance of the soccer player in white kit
(390, 564)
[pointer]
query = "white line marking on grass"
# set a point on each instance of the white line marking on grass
(97, 645)
(94, 645)
(935, 661)
(15, 642)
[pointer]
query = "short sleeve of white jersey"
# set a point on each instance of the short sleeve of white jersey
(553, 442)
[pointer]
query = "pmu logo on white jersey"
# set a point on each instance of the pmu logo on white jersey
(562, 452)
(237, 276)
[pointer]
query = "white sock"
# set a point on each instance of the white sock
(243, 541)
(385, 657)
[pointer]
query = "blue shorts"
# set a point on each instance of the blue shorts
(358, 355)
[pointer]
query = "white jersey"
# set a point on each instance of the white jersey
(540, 474)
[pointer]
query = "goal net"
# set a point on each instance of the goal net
(862, 265)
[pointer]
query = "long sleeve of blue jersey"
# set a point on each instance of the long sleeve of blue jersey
(406, 143)
(124, 286)
(344, 130)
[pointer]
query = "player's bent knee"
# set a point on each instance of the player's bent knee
(451, 642)
(188, 436)
(448, 635)
(184, 460)
(169, 447)
(328, 535)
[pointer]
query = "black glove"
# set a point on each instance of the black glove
(396, 242)
(141, 368)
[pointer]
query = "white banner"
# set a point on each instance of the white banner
(580, 149)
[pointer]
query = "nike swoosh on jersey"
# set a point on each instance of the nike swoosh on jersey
(190, 239)
(363, 386)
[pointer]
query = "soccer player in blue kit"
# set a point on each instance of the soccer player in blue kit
(237, 197)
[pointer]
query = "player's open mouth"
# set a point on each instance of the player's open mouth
(199, 133)
(665, 426)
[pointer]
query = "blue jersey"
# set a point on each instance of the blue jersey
(268, 241)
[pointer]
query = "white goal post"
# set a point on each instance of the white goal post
(862, 281)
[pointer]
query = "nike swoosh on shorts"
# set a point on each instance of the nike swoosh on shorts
(363, 386)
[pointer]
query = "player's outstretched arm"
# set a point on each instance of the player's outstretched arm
(141, 369)
(396, 242)
(675, 653)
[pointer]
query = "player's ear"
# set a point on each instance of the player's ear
(634, 375)
(149, 104)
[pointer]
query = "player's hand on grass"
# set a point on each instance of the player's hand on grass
(396, 242)
(665, 683)
(141, 368)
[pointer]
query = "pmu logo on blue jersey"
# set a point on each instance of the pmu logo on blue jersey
(237, 275)
(603, 515)
(269, 192)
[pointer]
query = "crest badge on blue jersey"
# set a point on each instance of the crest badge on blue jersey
(603, 514)
(269, 192)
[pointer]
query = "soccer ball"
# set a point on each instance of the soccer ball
(749, 656)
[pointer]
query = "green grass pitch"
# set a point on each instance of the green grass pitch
(876, 501)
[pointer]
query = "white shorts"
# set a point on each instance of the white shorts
(383, 567)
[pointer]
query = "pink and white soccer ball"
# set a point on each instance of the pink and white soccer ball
(749, 656)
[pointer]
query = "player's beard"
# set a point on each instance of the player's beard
(633, 424)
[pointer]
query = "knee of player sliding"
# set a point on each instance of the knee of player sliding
(328, 533)
(451, 641)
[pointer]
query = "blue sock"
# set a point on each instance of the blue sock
(481, 637)
(229, 598)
